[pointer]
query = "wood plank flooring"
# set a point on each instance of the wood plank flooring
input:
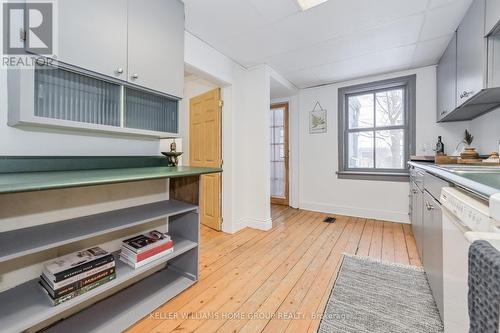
(279, 280)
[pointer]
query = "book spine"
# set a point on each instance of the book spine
(82, 291)
(82, 283)
(83, 268)
(136, 265)
(152, 252)
(73, 279)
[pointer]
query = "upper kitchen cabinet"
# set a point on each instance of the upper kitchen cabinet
(156, 45)
(92, 35)
(477, 74)
(141, 42)
(492, 16)
(471, 48)
(447, 80)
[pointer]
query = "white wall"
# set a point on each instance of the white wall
(321, 190)
(486, 131)
(245, 180)
(253, 150)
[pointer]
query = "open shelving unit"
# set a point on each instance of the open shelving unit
(134, 293)
(47, 236)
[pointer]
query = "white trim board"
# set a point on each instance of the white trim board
(250, 222)
(384, 215)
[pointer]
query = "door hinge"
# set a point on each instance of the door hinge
(221, 103)
(221, 162)
(22, 34)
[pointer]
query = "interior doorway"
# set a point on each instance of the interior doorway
(205, 150)
(279, 154)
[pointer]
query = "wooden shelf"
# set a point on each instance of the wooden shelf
(36, 181)
(28, 304)
(22, 242)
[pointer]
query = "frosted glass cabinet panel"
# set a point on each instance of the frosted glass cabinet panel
(64, 95)
(148, 111)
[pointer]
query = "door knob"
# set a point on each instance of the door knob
(135, 76)
(119, 70)
(429, 206)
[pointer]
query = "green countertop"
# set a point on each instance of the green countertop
(36, 181)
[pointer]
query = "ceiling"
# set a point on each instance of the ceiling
(335, 41)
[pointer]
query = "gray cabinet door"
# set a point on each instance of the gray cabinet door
(492, 14)
(433, 248)
(447, 80)
(471, 53)
(92, 35)
(416, 216)
(156, 45)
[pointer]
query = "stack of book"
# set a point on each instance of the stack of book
(143, 249)
(74, 274)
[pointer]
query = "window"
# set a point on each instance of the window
(377, 129)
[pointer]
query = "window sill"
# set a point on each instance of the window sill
(377, 176)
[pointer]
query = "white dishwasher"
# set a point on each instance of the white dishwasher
(465, 220)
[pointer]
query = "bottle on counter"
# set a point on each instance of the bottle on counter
(439, 146)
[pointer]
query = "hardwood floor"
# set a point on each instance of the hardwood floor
(279, 280)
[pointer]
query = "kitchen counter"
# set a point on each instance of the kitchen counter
(467, 180)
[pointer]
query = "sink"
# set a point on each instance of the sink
(491, 179)
(462, 169)
(486, 175)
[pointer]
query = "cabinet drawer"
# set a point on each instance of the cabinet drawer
(434, 185)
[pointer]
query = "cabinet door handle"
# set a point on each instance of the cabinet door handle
(414, 191)
(466, 94)
(428, 206)
(135, 76)
(119, 70)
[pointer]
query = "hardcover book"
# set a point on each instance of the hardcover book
(73, 270)
(75, 278)
(137, 257)
(146, 241)
(130, 262)
(87, 288)
(56, 293)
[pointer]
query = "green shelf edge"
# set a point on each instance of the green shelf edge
(47, 180)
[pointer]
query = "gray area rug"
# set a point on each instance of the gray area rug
(373, 296)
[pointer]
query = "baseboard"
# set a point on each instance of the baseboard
(251, 222)
(384, 215)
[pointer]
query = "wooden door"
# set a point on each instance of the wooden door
(279, 154)
(205, 150)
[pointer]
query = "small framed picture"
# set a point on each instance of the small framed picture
(317, 121)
